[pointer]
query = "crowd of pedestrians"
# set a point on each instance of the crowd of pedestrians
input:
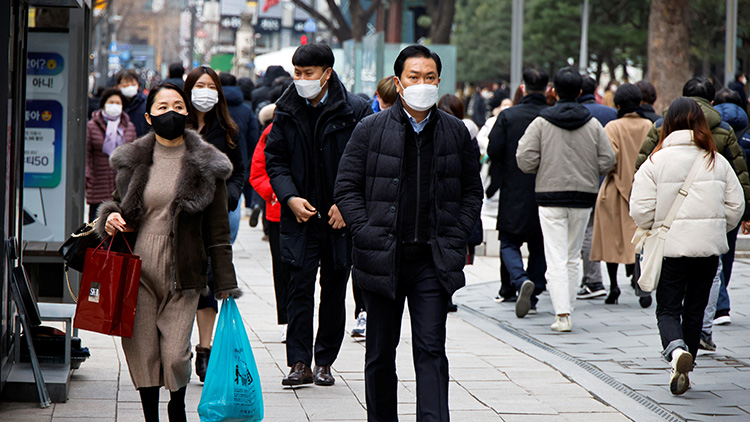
(388, 192)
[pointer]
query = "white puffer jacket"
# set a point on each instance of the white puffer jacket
(713, 206)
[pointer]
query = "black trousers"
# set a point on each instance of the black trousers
(301, 301)
(280, 272)
(428, 304)
(359, 300)
(681, 298)
(93, 208)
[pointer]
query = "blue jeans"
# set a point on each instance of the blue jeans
(727, 260)
(234, 221)
(510, 250)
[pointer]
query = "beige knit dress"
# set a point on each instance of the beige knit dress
(159, 354)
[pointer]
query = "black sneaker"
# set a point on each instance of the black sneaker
(254, 215)
(588, 293)
(707, 343)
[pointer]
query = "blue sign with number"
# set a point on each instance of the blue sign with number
(43, 144)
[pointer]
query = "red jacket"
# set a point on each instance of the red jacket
(261, 182)
(100, 178)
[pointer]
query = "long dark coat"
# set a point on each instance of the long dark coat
(368, 186)
(291, 161)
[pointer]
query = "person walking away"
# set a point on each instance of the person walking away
(261, 183)
(170, 193)
(738, 86)
(713, 205)
(209, 116)
(613, 226)
(517, 212)
(313, 123)
(135, 106)
(702, 91)
(402, 166)
(568, 150)
(648, 98)
(108, 128)
(176, 74)
(247, 130)
(591, 285)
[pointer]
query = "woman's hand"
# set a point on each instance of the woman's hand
(746, 227)
(115, 223)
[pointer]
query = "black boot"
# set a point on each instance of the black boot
(150, 403)
(201, 361)
(614, 290)
(176, 406)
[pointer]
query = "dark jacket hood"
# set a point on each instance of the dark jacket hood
(586, 99)
(233, 95)
(567, 114)
(272, 73)
(733, 114)
(538, 99)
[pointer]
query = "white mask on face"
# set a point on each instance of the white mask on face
(113, 110)
(129, 91)
(420, 97)
(310, 89)
(204, 99)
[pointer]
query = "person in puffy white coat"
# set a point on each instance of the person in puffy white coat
(714, 205)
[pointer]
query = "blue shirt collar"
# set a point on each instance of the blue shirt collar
(418, 127)
(322, 100)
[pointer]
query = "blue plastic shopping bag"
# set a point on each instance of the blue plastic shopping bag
(231, 392)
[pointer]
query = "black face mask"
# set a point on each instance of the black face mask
(170, 125)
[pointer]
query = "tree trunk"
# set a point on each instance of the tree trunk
(441, 12)
(668, 49)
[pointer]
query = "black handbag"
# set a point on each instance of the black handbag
(74, 249)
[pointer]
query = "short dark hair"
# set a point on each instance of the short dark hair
(412, 51)
(699, 86)
(535, 80)
(246, 86)
(627, 96)
(648, 91)
(162, 86)
(315, 54)
(110, 92)
(126, 74)
(227, 79)
(176, 70)
(726, 95)
(737, 74)
(588, 86)
(568, 83)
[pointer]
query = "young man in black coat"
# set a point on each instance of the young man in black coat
(410, 192)
(314, 121)
(517, 213)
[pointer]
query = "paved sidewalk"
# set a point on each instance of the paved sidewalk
(490, 380)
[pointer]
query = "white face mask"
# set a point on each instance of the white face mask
(420, 97)
(310, 89)
(204, 99)
(129, 91)
(113, 110)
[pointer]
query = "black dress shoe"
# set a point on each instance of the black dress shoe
(323, 375)
(298, 375)
(201, 361)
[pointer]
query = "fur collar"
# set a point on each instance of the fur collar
(202, 165)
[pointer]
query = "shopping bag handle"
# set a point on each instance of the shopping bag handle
(113, 239)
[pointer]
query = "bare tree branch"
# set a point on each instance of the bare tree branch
(341, 32)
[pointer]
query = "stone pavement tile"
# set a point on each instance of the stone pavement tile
(25, 411)
(492, 387)
(474, 416)
(467, 360)
(522, 404)
(477, 374)
(562, 404)
(532, 418)
(81, 419)
(338, 390)
(90, 408)
(594, 417)
(333, 409)
(461, 399)
(559, 390)
(284, 413)
(93, 390)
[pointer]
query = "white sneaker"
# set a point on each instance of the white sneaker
(682, 363)
(283, 333)
(562, 324)
(723, 320)
(361, 328)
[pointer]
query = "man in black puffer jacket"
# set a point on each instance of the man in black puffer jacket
(409, 190)
(314, 121)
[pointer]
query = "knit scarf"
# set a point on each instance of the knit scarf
(114, 136)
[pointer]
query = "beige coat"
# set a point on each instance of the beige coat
(613, 226)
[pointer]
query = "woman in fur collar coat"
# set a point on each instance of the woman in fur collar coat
(171, 194)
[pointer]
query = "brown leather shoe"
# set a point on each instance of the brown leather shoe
(298, 375)
(323, 375)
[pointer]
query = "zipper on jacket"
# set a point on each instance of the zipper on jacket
(419, 184)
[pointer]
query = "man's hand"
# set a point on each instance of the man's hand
(302, 209)
(746, 227)
(115, 222)
(336, 221)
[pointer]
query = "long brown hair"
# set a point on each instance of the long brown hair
(451, 104)
(685, 113)
(220, 112)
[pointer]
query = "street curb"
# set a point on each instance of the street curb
(600, 385)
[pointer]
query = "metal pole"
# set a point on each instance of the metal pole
(583, 59)
(516, 45)
(730, 52)
(191, 43)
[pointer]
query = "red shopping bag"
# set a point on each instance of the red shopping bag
(109, 292)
